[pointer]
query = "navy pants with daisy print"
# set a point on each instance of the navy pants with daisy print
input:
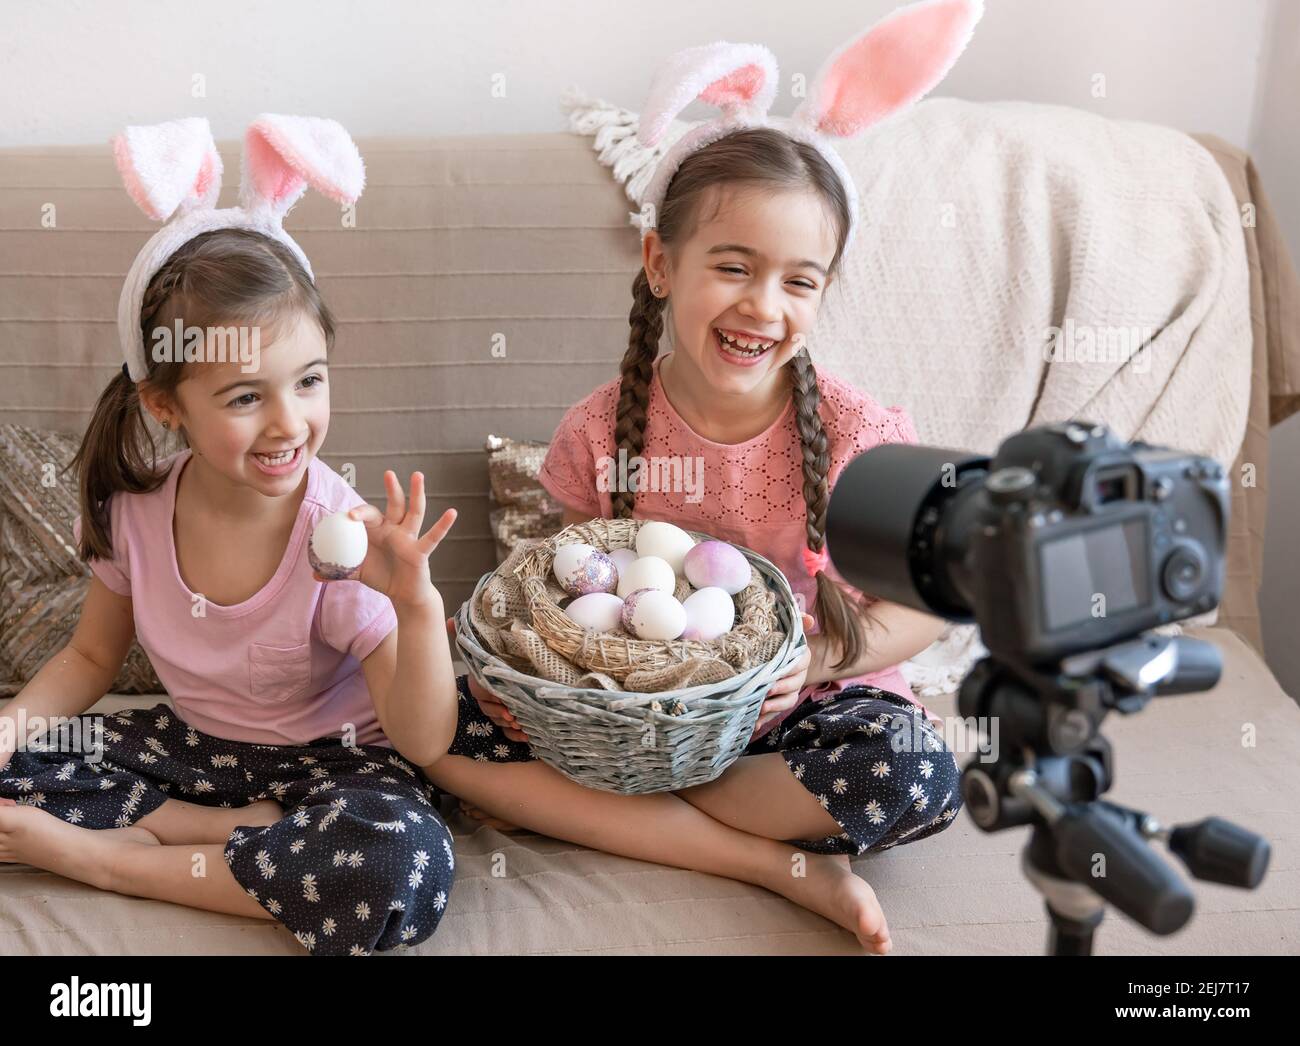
(361, 862)
(870, 757)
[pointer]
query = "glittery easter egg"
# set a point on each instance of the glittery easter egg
(581, 570)
(338, 546)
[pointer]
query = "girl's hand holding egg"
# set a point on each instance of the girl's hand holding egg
(396, 556)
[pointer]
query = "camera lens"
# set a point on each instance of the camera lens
(899, 524)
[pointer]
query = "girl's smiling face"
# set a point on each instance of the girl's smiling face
(757, 265)
(232, 416)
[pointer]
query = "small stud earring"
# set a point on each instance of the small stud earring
(656, 290)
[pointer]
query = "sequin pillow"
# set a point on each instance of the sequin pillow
(42, 582)
(524, 510)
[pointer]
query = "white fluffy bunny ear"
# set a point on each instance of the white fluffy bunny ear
(169, 166)
(893, 64)
(285, 154)
(735, 78)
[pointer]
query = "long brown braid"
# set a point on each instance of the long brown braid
(647, 320)
(223, 277)
(756, 157)
(841, 611)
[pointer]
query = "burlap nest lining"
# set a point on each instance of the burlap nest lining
(519, 616)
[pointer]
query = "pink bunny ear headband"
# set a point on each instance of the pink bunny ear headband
(876, 74)
(173, 173)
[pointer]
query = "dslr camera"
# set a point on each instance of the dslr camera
(1066, 540)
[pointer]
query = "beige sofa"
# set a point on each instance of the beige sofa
(460, 240)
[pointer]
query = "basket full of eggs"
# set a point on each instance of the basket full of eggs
(635, 654)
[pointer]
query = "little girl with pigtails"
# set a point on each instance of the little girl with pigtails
(744, 223)
(282, 781)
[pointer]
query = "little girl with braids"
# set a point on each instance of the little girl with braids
(745, 225)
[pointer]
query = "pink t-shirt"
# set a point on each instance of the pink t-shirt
(752, 492)
(284, 666)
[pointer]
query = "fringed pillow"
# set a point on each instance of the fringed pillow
(42, 581)
(524, 510)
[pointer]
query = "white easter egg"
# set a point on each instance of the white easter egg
(717, 564)
(651, 614)
(647, 572)
(709, 613)
(596, 612)
(337, 546)
(623, 558)
(666, 541)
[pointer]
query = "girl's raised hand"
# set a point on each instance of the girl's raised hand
(397, 561)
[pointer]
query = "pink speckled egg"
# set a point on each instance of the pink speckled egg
(715, 564)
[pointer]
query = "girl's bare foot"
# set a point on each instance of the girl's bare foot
(829, 888)
(485, 818)
(34, 836)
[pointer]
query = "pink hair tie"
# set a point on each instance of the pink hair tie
(815, 562)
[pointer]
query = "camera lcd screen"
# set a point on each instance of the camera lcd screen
(1109, 561)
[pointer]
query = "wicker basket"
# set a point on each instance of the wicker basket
(624, 742)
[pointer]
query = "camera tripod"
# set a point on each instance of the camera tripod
(1053, 767)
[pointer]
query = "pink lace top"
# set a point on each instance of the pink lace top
(752, 492)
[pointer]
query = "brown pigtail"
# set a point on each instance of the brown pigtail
(840, 612)
(647, 320)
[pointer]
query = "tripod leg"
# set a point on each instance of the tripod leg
(1069, 936)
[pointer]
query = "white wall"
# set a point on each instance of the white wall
(73, 71)
(1275, 146)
